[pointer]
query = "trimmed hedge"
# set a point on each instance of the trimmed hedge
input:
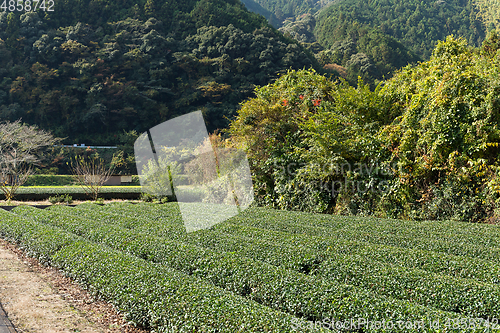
(168, 223)
(38, 193)
(278, 288)
(306, 250)
(63, 180)
(473, 233)
(466, 296)
(76, 192)
(50, 180)
(148, 294)
(453, 294)
(325, 247)
(403, 234)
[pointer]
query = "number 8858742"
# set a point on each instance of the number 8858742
(27, 5)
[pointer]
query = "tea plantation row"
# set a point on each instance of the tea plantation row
(349, 262)
(285, 290)
(301, 268)
(150, 295)
(163, 220)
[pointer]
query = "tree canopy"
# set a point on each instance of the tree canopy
(423, 144)
(91, 75)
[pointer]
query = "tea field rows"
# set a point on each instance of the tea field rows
(270, 271)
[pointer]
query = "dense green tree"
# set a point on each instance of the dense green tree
(448, 132)
(421, 145)
(416, 24)
(268, 127)
(94, 78)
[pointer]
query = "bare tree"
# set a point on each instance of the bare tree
(20, 145)
(92, 173)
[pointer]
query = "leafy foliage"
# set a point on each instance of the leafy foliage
(364, 51)
(267, 127)
(257, 281)
(149, 295)
(284, 10)
(448, 265)
(299, 128)
(416, 24)
(489, 12)
(445, 142)
(421, 145)
(67, 199)
(89, 75)
(372, 39)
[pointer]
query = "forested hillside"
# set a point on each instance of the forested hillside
(90, 70)
(366, 52)
(489, 11)
(372, 39)
(416, 24)
(283, 9)
(255, 7)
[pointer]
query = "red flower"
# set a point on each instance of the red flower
(301, 97)
(285, 102)
(316, 102)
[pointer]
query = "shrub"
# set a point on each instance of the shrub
(148, 294)
(67, 199)
(275, 287)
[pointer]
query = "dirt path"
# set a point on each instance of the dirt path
(40, 299)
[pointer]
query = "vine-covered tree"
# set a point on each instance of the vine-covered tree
(422, 145)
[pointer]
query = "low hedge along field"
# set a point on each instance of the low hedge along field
(269, 285)
(38, 193)
(301, 268)
(149, 294)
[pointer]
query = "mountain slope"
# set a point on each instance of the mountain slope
(92, 69)
(416, 24)
(489, 11)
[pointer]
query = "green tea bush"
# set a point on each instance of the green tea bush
(148, 294)
(67, 199)
(284, 290)
(261, 243)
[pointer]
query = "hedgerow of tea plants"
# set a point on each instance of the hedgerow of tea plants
(148, 294)
(274, 287)
(341, 265)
